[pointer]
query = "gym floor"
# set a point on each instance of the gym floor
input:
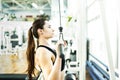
(11, 63)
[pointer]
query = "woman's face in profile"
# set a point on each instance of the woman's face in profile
(48, 31)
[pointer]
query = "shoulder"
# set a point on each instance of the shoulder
(42, 54)
(42, 57)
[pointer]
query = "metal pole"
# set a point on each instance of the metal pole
(109, 52)
(118, 25)
(81, 36)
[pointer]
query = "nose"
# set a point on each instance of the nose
(52, 29)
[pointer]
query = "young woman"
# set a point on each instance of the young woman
(47, 59)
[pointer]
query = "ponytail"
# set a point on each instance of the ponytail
(37, 24)
(30, 54)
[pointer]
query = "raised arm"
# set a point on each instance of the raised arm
(50, 71)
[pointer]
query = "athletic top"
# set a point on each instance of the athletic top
(50, 49)
(53, 51)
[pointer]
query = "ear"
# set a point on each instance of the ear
(40, 31)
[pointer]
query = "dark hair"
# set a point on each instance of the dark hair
(31, 45)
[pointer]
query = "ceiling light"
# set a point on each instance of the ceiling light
(34, 5)
(41, 12)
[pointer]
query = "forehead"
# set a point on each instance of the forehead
(47, 23)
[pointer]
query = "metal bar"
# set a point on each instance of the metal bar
(99, 61)
(81, 37)
(59, 12)
(18, 4)
(94, 70)
(103, 72)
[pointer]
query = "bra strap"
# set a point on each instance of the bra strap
(48, 49)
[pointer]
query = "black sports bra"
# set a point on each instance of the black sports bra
(53, 51)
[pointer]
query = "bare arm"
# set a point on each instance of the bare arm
(62, 75)
(50, 71)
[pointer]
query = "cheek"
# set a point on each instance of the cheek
(48, 34)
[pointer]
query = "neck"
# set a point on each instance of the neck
(43, 41)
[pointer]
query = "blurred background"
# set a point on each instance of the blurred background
(90, 27)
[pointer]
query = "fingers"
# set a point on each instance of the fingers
(64, 43)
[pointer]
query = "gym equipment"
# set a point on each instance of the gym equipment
(94, 67)
(13, 76)
(62, 39)
(14, 39)
(70, 76)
